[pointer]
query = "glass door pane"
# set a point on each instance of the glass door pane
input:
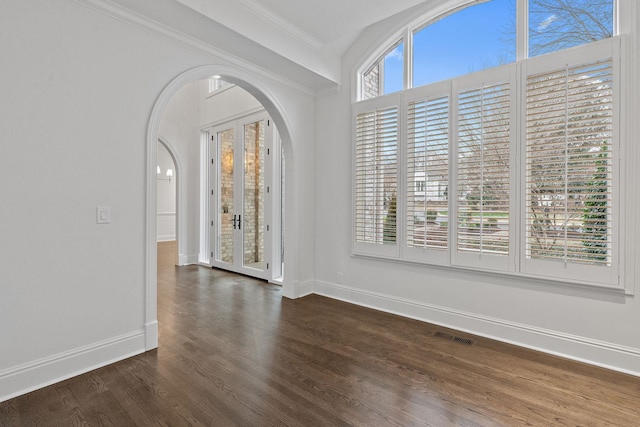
(253, 197)
(226, 213)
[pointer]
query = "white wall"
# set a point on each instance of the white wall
(78, 90)
(586, 324)
(223, 106)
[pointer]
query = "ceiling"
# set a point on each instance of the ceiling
(316, 23)
(313, 34)
(303, 41)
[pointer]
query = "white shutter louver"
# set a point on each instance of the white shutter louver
(569, 114)
(376, 176)
(483, 170)
(428, 173)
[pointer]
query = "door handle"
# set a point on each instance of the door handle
(239, 221)
(234, 222)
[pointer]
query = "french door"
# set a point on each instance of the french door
(241, 204)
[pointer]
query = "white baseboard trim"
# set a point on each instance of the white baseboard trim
(187, 259)
(151, 335)
(598, 353)
(41, 373)
(298, 290)
(166, 238)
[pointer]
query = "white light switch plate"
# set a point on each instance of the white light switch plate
(103, 215)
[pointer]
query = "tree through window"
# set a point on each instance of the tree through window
(560, 24)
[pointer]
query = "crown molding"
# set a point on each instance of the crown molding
(144, 23)
(286, 26)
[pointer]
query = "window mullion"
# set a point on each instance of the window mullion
(518, 203)
(482, 159)
(408, 59)
(401, 175)
(566, 165)
(522, 29)
(453, 173)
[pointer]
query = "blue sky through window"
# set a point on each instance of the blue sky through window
(393, 70)
(475, 38)
(483, 36)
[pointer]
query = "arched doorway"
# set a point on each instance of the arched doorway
(167, 203)
(270, 104)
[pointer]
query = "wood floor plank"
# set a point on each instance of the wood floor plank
(234, 352)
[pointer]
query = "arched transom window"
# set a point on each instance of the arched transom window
(484, 34)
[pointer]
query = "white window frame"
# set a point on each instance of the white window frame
(484, 261)
(618, 277)
(584, 273)
(371, 105)
(417, 254)
(623, 11)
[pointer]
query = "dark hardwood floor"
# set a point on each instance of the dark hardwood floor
(234, 352)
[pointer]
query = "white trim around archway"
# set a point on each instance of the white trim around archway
(275, 110)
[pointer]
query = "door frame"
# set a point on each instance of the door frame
(274, 201)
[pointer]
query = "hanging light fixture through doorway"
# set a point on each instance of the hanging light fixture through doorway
(169, 174)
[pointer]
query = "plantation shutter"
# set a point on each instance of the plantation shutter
(428, 173)
(569, 164)
(513, 169)
(484, 135)
(376, 172)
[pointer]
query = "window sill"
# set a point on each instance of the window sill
(536, 279)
